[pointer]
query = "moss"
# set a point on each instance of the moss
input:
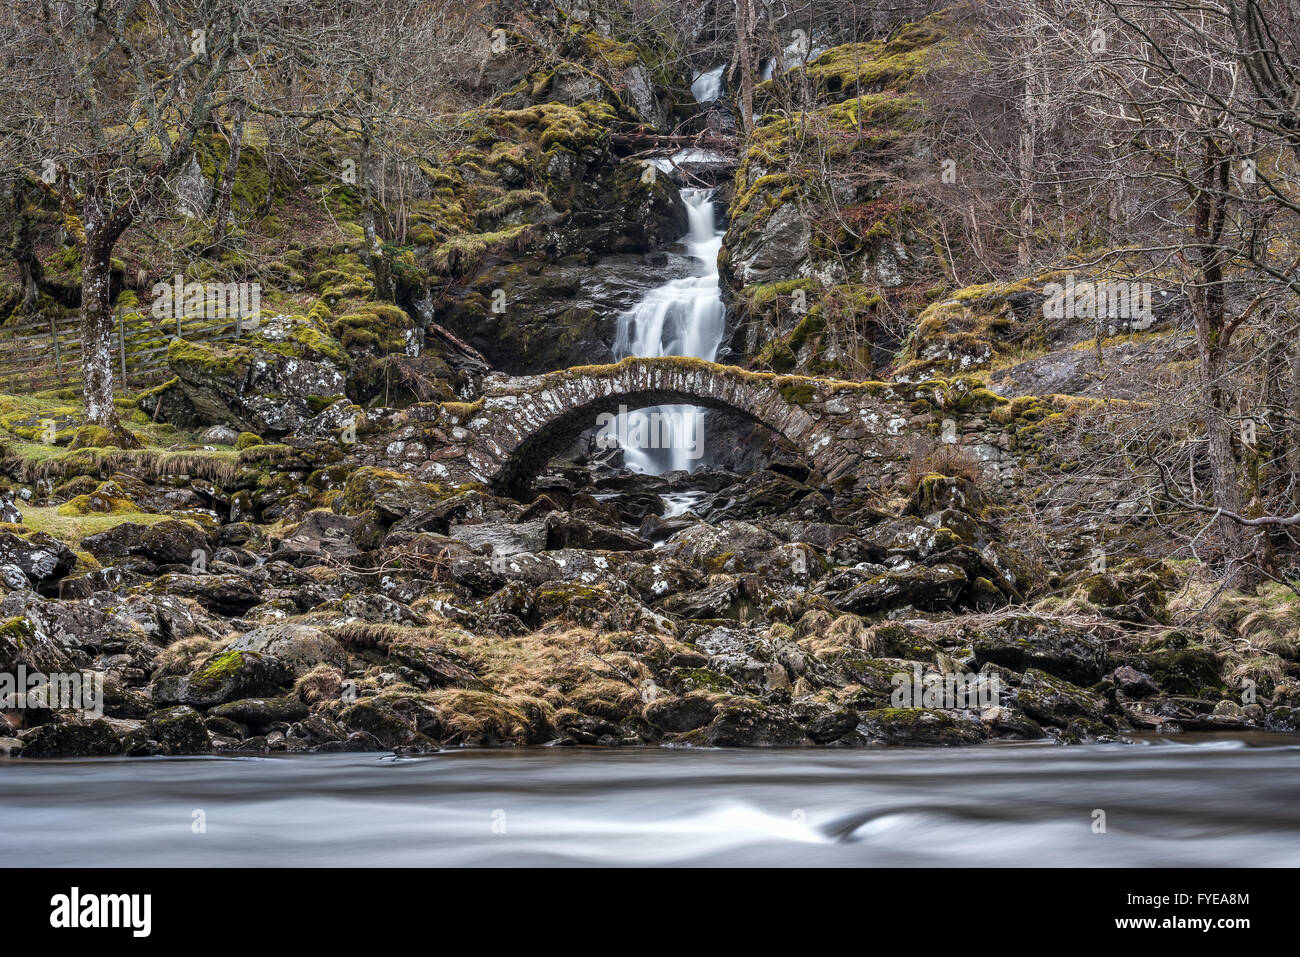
(97, 436)
(223, 363)
(108, 498)
(796, 391)
(18, 630)
(893, 64)
(374, 329)
(218, 669)
(247, 440)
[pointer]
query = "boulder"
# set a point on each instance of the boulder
(1026, 641)
(568, 530)
(1055, 701)
(268, 382)
(256, 712)
(222, 594)
(929, 588)
(228, 676)
(172, 542)
(179, 730)
(919, 727)
(41, 557)
(299, 648)
(677, 714)
(746, 723)
(25, 641)
(98, 738)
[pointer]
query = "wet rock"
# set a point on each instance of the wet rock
(122, 702)
(377, 719)
(1055, 701)
(745, 723)
(1003, 722)
(678, 714)
(568, 530)
(1025, 641)
(915, 727)
(832, 726)
(766, 493)
(179, 730)
(72, 740)
(258, 712)
(1188, 670)
(1134, 683)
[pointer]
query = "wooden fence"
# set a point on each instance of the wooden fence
(40, 355)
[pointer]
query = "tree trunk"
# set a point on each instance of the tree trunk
(745, 60)
(221, 201)
(374, 250)
(1224, 472)
(97, 333)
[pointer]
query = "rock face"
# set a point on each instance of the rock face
(265, 385)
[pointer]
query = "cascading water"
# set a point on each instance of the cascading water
(683, 317)
(707, 87)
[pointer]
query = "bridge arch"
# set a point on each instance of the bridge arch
(523, 422)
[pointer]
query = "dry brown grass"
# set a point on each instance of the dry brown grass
(943, 459)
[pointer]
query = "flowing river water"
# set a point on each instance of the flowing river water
(1190, 800)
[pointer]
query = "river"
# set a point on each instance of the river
(1193, 800)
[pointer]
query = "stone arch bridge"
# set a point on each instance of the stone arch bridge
(858, 435)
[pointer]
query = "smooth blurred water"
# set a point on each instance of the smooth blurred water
(1178, 801)
(707, 87)
(683, 317)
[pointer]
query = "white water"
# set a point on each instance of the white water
(683, 317)
(708, 85)
(1174, 802)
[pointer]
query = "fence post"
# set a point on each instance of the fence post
(58, 357)
(121, 342)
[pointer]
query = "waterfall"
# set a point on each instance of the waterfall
(707, 87)
(683, 317)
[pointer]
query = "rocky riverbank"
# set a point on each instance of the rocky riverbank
(408, 617)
